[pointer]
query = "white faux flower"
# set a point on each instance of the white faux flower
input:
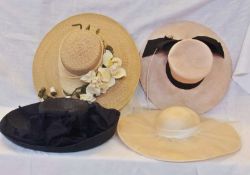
(87, 97)
(87, 78)
(118, 73)
(104, 74)
(105, 86)
(117, 61)
(107, 57)
(52, 91)
(96, 79)
(104, 78)
(93, 89)
(114, 68)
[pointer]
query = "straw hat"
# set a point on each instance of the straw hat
(81, 45)
(185, 63)
(177, 134)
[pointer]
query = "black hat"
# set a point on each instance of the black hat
(60, 125)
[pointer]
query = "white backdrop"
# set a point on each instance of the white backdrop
(23, 24)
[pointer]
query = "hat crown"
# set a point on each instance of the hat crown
(190, 61)
(177, 122)
(81, 51)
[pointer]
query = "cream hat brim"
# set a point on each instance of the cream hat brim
(163, 93)
(213, 139)
(45, 65)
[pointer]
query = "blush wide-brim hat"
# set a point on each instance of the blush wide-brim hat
(75, 46)
(191, 71)
(177, 134)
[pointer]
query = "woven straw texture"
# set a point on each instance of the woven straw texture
(45, 65)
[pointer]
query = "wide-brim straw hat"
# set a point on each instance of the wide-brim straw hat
(59, 57)
(177, 134)
(194, 70)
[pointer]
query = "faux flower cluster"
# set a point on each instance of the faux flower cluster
(98, 82)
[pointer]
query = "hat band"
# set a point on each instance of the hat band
(178, 83)
(177, 134)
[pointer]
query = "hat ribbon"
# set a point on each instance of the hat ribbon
(166, 43)
(179, 84)
(177, 134)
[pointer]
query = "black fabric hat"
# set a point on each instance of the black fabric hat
(60, 125)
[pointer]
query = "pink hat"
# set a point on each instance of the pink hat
(185, 63)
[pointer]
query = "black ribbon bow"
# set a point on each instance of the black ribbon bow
(166, 43)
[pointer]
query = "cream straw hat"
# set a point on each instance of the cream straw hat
(177, 134)
(88, 49)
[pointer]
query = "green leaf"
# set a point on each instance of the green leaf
(79, 90)
(46, 97)
(66, 93)
(83, 89)
(97, 31)
(77, 94)
(108, 47)
(42, 92)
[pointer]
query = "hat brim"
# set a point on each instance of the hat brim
(45, 65)
(84, 145)
(15, 119)
(212, 140)
(163, 93)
